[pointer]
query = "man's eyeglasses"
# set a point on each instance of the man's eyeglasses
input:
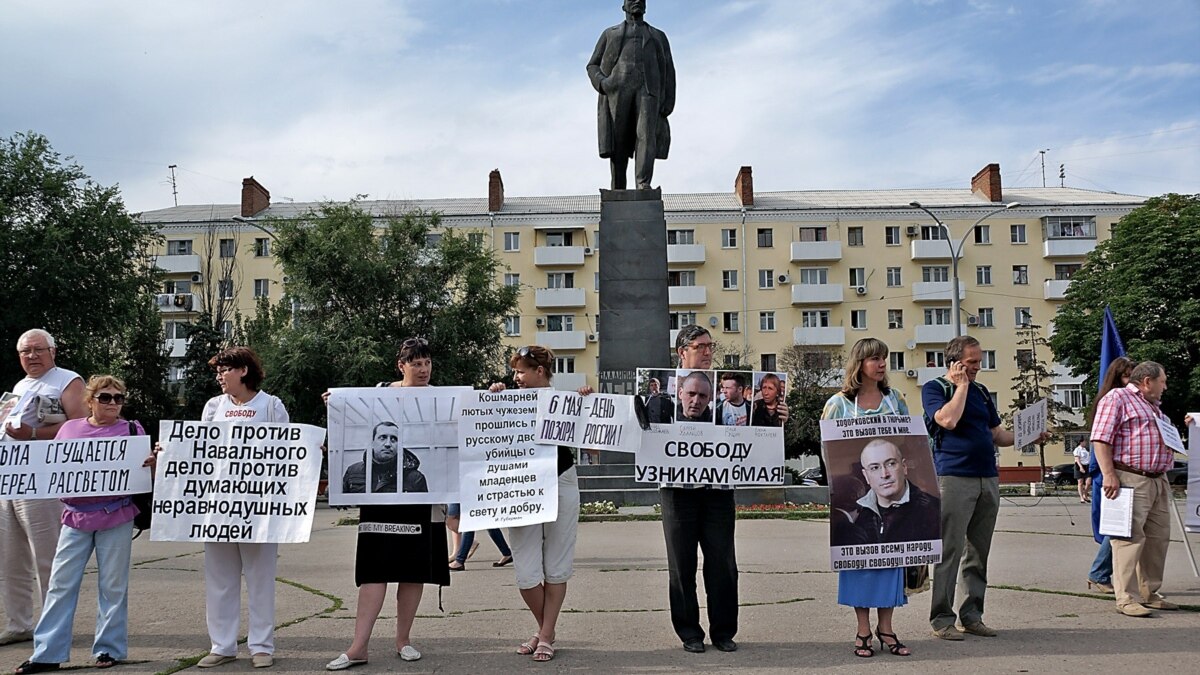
(702, 346)
(30, 351)
(108, 399)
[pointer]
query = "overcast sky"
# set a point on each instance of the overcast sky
(409, 99)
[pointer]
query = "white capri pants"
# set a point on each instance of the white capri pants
(546, 552)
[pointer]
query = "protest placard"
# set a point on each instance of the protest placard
(1029, 423)
(88, 467)
(236, 482)
(596, 421)
(507, 479)
(394, 445)
(885, 505)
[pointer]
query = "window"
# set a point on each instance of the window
(175, 330)
(596, 281)
(433, 239)
(983, 234)
(895, 318)
(225, 289)
(564, 364)
(858, 276)
(1020, 275)
(932, 233)
(512, 325)
(935, 359)
(596, 240)
(987, 317)
(766, 322)
(730, 322)
(560, 280)
(681, 236)
(1070, 395)
(560, 323)
(983, 275)
(475, 239)
(228, 248)
(733, 360)
(729, 238)
(512, 241)
(681, 278)
(179, 247)
(937, 316)
(814, 276)
(1063, 227)
(179, 286)
(1017, 233)
(1021, 316)
(935, 273)
(766, 279)
(891, 235)
(893, 277)
(1024, 359)
(562, 238)
(262, 288)
(226, 329)
(729, 279)
(767, 362)
(766, 237)
(1065, 272)
(858, 319)
(816, 361)
(896, 361)
(681, 319)
(988, 361)
(854, 235)
(262, 247)
(813, 234)
(512, 279)
(814, 318)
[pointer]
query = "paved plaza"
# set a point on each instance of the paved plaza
(616, 618)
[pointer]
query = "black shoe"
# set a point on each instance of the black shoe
(725, 645)
(35, 667)
(694, 646)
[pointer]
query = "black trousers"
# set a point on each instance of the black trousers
(701, 517)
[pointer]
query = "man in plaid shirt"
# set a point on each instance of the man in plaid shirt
(1130, 451)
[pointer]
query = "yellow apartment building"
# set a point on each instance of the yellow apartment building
(763, 271)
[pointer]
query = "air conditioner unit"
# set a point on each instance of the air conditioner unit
(911, 372)
(972, 321)
(588, 250)
(861, 290)
(895, 325)
(912, 231)
(593, 337)
(197, 278)
(540, 322)
(785, 279)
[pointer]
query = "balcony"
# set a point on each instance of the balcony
(933, 249)
(827, 335)
(926, 374)
(562, 339)
(674, 334)
(816, 294)
(685, 254)
(550, 256)
(178, 264)
(569, 381)
(556, 298)
(1055, 289)
(174, 302)
(938, 334)
(687, 295)
(1069, 247)
(816, 251)
(936, 291)
(178, 347)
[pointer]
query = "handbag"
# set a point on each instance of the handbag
(916, 579)
(144, 501)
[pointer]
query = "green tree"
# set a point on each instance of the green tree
(1146, 273)
(199, 380)
(78, 265)
(812, 378)
(1032, 382)
(356, 287)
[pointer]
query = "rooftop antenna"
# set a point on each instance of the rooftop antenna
(1043, 154)
(1062, 175)
(175, 192)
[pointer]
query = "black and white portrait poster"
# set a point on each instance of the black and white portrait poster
(884, 501)
(394, 445)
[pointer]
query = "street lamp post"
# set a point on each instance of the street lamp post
(956, 254)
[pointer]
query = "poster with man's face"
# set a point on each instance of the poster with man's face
(657, 389)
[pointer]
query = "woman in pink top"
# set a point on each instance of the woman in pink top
(100, 524)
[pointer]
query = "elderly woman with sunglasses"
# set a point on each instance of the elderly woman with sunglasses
(100, 524)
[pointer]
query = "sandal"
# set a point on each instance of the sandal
(105, 661)
(456, 566)
(503, 561)
(528, 647)
(35, 667)
(862, 646)
(543, 653)
(896, 647)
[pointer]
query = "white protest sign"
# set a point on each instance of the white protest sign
(885, 505)
(394, 445)
(704, 454)
(506, 478)
(1192, 521)
(596, 421)
(236, 482)
(1170, 435)
(1029, 423)
(87, 467)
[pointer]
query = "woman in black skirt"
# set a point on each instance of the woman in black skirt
(403, 544)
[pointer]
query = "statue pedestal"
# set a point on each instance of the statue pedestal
(634, 321)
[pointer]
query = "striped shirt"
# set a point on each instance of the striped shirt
(1126, 421)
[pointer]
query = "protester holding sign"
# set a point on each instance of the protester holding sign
(240, 373)
(100, 524)
(864, 393)
(397, 543)
(29, 527)
(545, 552)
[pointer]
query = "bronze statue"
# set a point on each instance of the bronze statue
(633, 71)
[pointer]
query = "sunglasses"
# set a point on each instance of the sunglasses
(108, 399)
(414, 342)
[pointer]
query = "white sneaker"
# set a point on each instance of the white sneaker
(409, 653)
(214, 660)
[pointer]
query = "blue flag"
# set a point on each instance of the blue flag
(1110, 348)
